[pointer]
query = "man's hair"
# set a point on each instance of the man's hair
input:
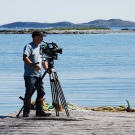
(37, 33)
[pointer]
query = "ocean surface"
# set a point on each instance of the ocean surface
(94, 69)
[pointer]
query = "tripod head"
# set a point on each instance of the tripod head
(50, 50)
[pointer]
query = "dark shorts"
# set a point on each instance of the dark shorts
(30, 84)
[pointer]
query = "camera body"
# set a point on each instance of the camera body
(51, 50)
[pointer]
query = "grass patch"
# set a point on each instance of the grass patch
(72, 28)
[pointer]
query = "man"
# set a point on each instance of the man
(32, 73)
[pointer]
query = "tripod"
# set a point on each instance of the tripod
(56, 89)
(57, 93)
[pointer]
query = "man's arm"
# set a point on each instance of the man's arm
(45, 65)
(29, 62)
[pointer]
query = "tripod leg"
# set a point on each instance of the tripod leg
(55, 100)
(60, 92)
(40, 80)
(61, 95)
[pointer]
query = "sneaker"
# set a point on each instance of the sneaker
(44, 114)
(26, 114)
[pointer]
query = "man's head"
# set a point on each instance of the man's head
(37, 33)
(37, 36)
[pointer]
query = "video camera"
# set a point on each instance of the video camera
(51, 50)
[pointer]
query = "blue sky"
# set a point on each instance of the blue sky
(75, 11)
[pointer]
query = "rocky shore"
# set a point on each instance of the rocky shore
(94, 31)
(78, 123)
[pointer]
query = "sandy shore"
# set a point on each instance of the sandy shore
(29, 31)
(78, 123)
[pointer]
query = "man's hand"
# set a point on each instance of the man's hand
(49, 72)
(37, 68)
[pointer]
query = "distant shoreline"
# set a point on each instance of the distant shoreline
(92, 31)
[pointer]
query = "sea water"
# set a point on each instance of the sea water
(94, 69)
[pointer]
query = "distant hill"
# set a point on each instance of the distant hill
(112, 23)
(95, 23)
(37, 25)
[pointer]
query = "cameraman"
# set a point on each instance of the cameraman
(32, 73)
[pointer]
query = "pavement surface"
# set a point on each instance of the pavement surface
(78, 123)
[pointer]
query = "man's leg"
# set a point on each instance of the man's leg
(40, 100)
(29, 85)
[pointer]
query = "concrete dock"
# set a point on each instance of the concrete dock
(78, 123)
